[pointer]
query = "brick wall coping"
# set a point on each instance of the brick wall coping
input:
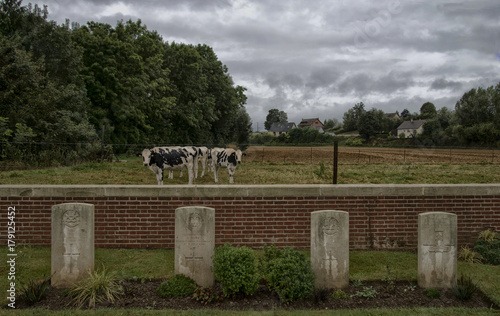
(200, 191)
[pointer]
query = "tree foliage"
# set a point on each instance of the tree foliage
(352, 116)
(275, 116)
(62, 83)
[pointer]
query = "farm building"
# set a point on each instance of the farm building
(313, 122)
(411, 128)
(281, 128)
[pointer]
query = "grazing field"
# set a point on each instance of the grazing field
(295, 165)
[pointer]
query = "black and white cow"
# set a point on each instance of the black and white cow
(203, 153)
(225, 157)
(159, 159)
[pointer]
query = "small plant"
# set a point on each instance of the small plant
(146, 277)
(340, 295)
(100, 286)
(432, 293)
(390, 281)
(177, 286)
(35, 291)
(411, 287)
(357, 283)
(321, 173)
(236, 270)
(468, 255)
(464, 288)
(488, 245)
(207, 295)
(368, 292)
(320, 295)
(487, 235)
(288, 273)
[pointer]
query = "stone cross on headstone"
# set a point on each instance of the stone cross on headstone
(330, 248)
(437, 250)
(72, 251)
(194, 243)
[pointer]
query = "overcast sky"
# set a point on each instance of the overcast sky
(318, 58)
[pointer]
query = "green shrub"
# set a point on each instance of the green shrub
(487, 235)
(340, 295)
(100, 286)
(208, 295)
(464, 288)
(288, 273)
(368, 292)
(468, 255)
(177, 286)
(236, 270)
(35, 291)
(489, 250)
(432, 293)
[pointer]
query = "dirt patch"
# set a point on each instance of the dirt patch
(143, 295)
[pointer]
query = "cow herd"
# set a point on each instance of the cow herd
(159, 159)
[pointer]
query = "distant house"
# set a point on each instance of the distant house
(393, 115)
(411, 128)
(281, 128)
(314, 122)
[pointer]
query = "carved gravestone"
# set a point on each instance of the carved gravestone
(330, 248)
(72, 251)
(194, 243)
(437, 250)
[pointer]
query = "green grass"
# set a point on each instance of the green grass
(34, 263)
(131, 171)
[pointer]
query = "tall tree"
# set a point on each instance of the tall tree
(352, 116)
(275, 116)
(427, 111)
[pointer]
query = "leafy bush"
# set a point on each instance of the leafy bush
(236, 270)
(340, 295)
(489, 250)
(464, 288)
(368, 292)
(177, 286)
(432, 293)
(487, 235)
(207, 295)
(468, 255)
(288, 273)
(100, 286)
(35, 291)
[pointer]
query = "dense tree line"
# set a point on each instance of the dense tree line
(474, 122)
(62, 83)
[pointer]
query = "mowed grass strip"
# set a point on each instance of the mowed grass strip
(33, 263)
(129, 170)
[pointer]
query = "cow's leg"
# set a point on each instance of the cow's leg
(170, 174)
(159, 176)
(195, 165)
(190, 167)
(203, 166)
(216, 169)
(231, 173)
(181, 173)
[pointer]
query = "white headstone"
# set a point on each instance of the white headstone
(195, 243)
(330, 248)
(72, 252)
(437, 250)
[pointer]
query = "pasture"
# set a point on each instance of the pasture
(295, 165)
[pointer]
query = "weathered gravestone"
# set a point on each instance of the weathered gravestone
(72, 251)
(194, 243)
(330, 248)
(437, 250)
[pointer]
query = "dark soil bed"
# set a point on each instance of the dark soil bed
(143, 295)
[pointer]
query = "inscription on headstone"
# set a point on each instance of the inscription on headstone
(72, 251)
(194, 243)
(437, 249)
(330, 248)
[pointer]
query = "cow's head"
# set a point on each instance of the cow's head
(238, 155)
(146, 155)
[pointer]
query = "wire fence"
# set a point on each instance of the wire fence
(40, 155)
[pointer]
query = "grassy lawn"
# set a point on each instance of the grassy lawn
(34, 263)
(131, 171)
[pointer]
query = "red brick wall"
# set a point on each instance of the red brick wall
(376, 222)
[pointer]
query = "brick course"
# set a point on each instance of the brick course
(143, 216)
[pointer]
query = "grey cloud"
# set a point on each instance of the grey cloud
(441, 83)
